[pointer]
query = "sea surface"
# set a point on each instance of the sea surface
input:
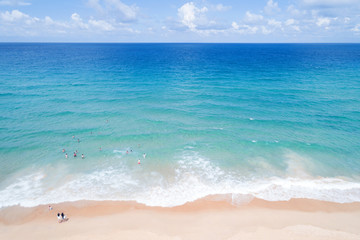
(272, 121)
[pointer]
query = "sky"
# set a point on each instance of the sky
(254, 21)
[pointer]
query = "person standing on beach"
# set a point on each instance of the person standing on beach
(59, 218)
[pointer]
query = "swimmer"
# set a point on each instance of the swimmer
(82, 156)
(78, 140)
(66, 156)
(139, 161)
(127, 152)
(73, 136)
(144, 155)
(63, 149)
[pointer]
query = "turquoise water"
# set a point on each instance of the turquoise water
(273, 121)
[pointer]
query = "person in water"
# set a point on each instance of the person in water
(82, 156)
(139, 161)
(66, 156)
(74, 154)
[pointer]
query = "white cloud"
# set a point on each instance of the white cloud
(274, 23)
(189, 15)
(356, 29)
(57, 25)
(76, 17)
(128, 11)
(48, 20)
(235, 25)
(78, 22)
(311, 17)
(16, 23)
(271, 7)
(293, 11)
(265, 30)
(253, 18)
(115, 8)
(17, 16)
(323, 21)
(220, 7)
(95, 4)
(244, 28)
(101, 24)
(14, 3)
(296, 28)
(289, 22)
(195, 19)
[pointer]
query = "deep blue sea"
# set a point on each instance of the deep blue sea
(272, 121)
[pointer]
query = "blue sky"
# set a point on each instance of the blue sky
(180, 21)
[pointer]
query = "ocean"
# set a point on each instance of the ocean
(236, 121)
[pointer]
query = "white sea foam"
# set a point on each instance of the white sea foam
(194, 177)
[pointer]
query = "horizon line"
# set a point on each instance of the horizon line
(1, 42)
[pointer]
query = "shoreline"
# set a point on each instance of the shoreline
(203, 219)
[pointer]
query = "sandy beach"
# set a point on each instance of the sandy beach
(203, 219)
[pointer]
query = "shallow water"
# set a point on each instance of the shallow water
(275, 121)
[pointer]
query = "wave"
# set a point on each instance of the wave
(192, 177)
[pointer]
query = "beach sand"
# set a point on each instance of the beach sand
(202, 219)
